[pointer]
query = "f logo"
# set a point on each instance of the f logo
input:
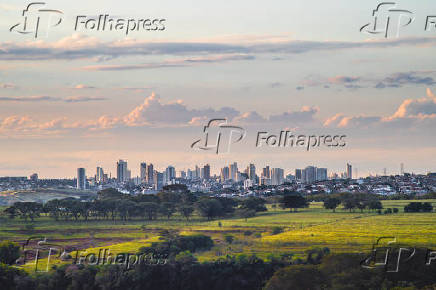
(35, 18)
(223, 130)
(387, 19)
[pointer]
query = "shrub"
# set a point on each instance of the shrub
(277, 230)
(9, 252)
(248, 233)
(229, 239)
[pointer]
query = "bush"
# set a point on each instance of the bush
(248, 233)
(418, 207)
(229, 239)
(395, 210)
(277, 230)
(9, 252)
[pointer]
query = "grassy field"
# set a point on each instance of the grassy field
(341, 231)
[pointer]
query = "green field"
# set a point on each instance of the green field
(341, 231)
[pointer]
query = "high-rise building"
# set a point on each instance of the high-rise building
(34, 177)
(122, 173)
(225, 173)
(158, 180)
(310, 174)
(81, 178)
(170, 174)
(143, 172)
(189, 174)
(183, 174)
(233, 170)
(298, 174)
(252, 173)
(349, 171)
(206, 169)
(402, 169)
(277, 176)
(150, 174)
(99, 175)
(197, 172)
(321, 174)
(266, 172)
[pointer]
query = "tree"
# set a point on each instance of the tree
(110, 193)
(186, 211)
(53, 208)
(229, 239)
(296, 277)
(150, 209)
(254, 203)
(375, 205)
(9, 252)
(360, 205)
(350, 204)
(126, 208)
(210, 208)
(167, 209)
(293, 201)
(25, 210)
(247, 213)
(332, 203)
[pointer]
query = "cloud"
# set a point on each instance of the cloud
(275, 85)
(79, 46)
(83, 99)
(250, 117)
(416, 114)
(8, 86)
(83, 86)
(343, 80)
(72, 99)
(153, 111)
(420, 108)
(404, 78)
(171, 63)
(29, 99)
(395, 80)
(305, 115)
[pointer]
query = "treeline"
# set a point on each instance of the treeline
(319, 270)
(352, 202)
(114, 205)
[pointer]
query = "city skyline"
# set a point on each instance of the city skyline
(263, 171)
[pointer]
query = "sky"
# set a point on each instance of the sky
(84, 98)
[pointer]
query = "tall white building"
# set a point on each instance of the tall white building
(277, 176)
(81, 179)
(170, 174)
(233, 171)
(99, 175)
(321, 174)
(122, 171)
(143, 172)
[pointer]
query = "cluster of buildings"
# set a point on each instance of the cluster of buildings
(249, 180)
(231, 181)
